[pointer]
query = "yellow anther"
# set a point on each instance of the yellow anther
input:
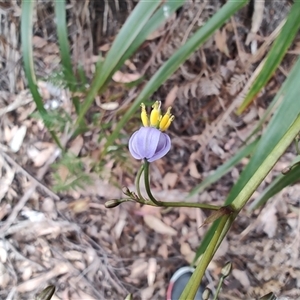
(144, 115)
(166, 120)
(155, 114)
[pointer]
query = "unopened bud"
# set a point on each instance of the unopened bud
(46, 294)
(112, 203)
(270, 296)
(226, 270)
(129, 297)
(206, 294)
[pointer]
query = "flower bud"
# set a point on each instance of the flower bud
(112, 203)
(46, 294)
(128, 297)
(206, 294)
(226, 270)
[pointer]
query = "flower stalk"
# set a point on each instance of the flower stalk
(192, 286)
(155, 202)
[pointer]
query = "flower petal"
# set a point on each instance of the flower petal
(149, 143)
(133, 147)
(163, 147)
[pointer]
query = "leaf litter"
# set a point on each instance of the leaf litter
(89, 252)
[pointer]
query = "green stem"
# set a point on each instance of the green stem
(266, 166)
(192, 286)
(187, 204)
(297, 145)
(147, 184)
(167, 204)
(219, 288)
(137, 181)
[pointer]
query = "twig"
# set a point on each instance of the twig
(17, 209)
(20, 100)
(11, 294)
(28, 193)
(20, 255)
(193, 23)
(25, 173)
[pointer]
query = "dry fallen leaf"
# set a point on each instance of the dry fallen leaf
(187, 252)
(3, 253)
(109, 105)
(138, 268)
(130, 65)
(17, 139)
(158, 225)
(76, 145)
(242, 277)
(125, 77)
(6, 178)
(80, 205)
(163, 251)
(147, 293)
(34, 283)
(4, 277)
(221, 39)
(7, 134)
(82, 295)
(268, 221)
(169, 180)
(39, 157)
(105, 47)
(39, 42)
(151, 273)
(118, 229)
(171, 97)
(194, 171)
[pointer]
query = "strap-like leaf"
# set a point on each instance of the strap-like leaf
(276, 54)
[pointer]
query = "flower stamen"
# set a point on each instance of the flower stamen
(156, 119)
(155, 114)
(166, 120)
(144, 116)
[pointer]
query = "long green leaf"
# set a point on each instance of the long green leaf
(236, 206)
(276, 54)
(278, 184)
(224, 168)
(65, 53)
(284, 117)
(132, 27)
(161, 15)
(26, 39)
(27, 46)
(174, 62)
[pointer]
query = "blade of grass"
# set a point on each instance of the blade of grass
(223, 169)
(280, 182)
(133, 25)
(156, 20)
(64, 48)
(173, 63)
(62, 33)
(283, 118)
(275, 55)
(27, 46)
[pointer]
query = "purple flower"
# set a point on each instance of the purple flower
(149, 143)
